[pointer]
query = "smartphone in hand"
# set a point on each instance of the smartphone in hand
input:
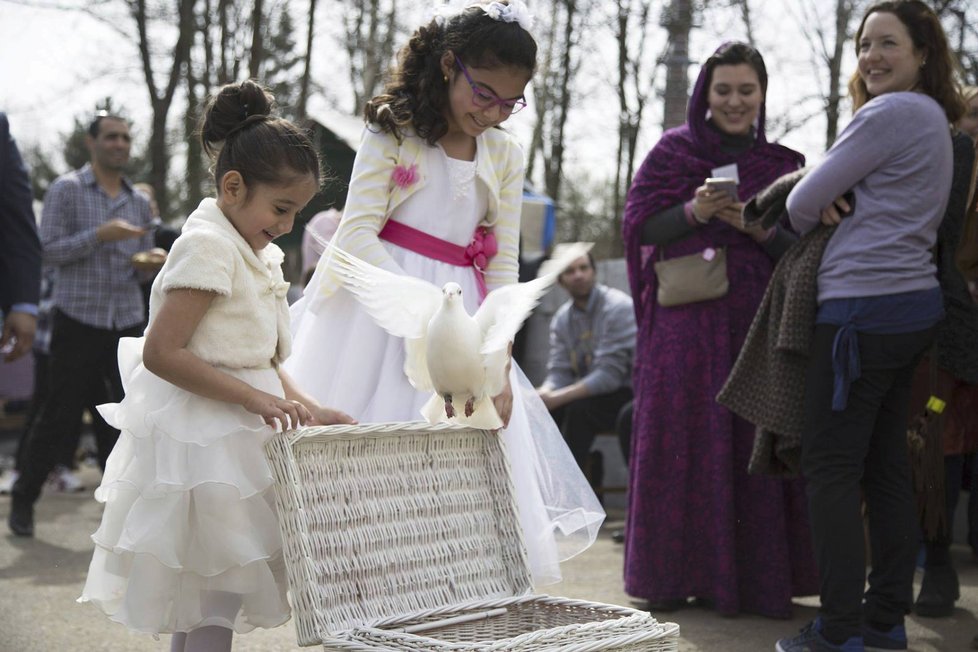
(723, 184)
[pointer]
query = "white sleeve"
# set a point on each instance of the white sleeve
(200, 261)
(366, 209)
(504, 267)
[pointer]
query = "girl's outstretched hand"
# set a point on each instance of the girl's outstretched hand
(279, 413)
(324, 416)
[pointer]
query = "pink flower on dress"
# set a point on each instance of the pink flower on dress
(482, 248)
(404, 176)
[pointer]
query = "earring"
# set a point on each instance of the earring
(923, 63)
(445, 77)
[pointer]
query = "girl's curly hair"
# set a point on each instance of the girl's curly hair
(416, 94)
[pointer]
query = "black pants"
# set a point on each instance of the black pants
(83, 369)
(862, 451)
(580, 421)
(66, 457)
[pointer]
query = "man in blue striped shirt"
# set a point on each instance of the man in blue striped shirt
(92, 225)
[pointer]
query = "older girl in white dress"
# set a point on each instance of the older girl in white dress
(436, 194)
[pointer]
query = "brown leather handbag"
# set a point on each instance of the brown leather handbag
(689, 279)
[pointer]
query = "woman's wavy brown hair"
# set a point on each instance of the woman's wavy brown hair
(937, 73)
(416, 94)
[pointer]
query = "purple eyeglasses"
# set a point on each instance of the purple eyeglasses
(486, 99)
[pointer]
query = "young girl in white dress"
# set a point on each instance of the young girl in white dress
(189, 542)
(436, 194)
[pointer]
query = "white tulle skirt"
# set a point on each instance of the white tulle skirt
(344, 360)
(189, 534)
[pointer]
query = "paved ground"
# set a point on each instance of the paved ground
(41, 577)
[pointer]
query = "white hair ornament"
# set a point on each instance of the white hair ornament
(514, 12)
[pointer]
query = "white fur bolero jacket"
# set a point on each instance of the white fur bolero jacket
(247, 325)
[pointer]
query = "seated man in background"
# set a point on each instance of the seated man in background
(592, 339)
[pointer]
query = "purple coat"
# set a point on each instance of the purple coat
(698, 524)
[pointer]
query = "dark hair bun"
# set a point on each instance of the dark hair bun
(233, 108)
(239, 131)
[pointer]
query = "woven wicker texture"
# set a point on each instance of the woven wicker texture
(380, 521)
(389, 526)
(530, 624)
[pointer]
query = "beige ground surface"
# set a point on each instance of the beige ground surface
(40, 578)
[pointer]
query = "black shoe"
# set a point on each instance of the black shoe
(938, 591)
(21, 519)
(618, 536)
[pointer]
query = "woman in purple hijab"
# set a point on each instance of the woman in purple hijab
(698, 524)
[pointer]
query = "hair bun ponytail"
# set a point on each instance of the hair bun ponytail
(235, 107)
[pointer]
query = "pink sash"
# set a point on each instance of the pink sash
(427, 245)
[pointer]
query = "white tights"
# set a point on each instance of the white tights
(210, 638)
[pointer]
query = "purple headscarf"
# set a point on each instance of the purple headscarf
(679, 163)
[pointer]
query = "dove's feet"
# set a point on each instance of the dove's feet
(449, 408)
(470, 406)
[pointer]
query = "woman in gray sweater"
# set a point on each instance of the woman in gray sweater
(879, 304)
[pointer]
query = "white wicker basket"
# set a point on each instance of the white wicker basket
(405, 537)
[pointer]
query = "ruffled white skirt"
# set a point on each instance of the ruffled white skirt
(189, 534)
(344, 360)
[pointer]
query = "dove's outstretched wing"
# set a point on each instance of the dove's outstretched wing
(505, 309)
(401, 305)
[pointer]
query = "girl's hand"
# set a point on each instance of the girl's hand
(707, 203)
(503, 402)
(324, 416)
(832, 214)
(279, 413)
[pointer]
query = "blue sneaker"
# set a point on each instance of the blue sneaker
(879, 641)
(811, 640)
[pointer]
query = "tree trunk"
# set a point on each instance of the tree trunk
(224, 73)
(630, 77)
(208, 48)
(678, 21)
(542, 93)
(748, 23)
(307, 63)
(843, 14)
(370, 32)
(557, 147)
(161, 102)
(194, 172)
(257, 48)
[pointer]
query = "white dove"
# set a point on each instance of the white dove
(459, 357)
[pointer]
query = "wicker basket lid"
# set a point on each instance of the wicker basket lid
(384, 520)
